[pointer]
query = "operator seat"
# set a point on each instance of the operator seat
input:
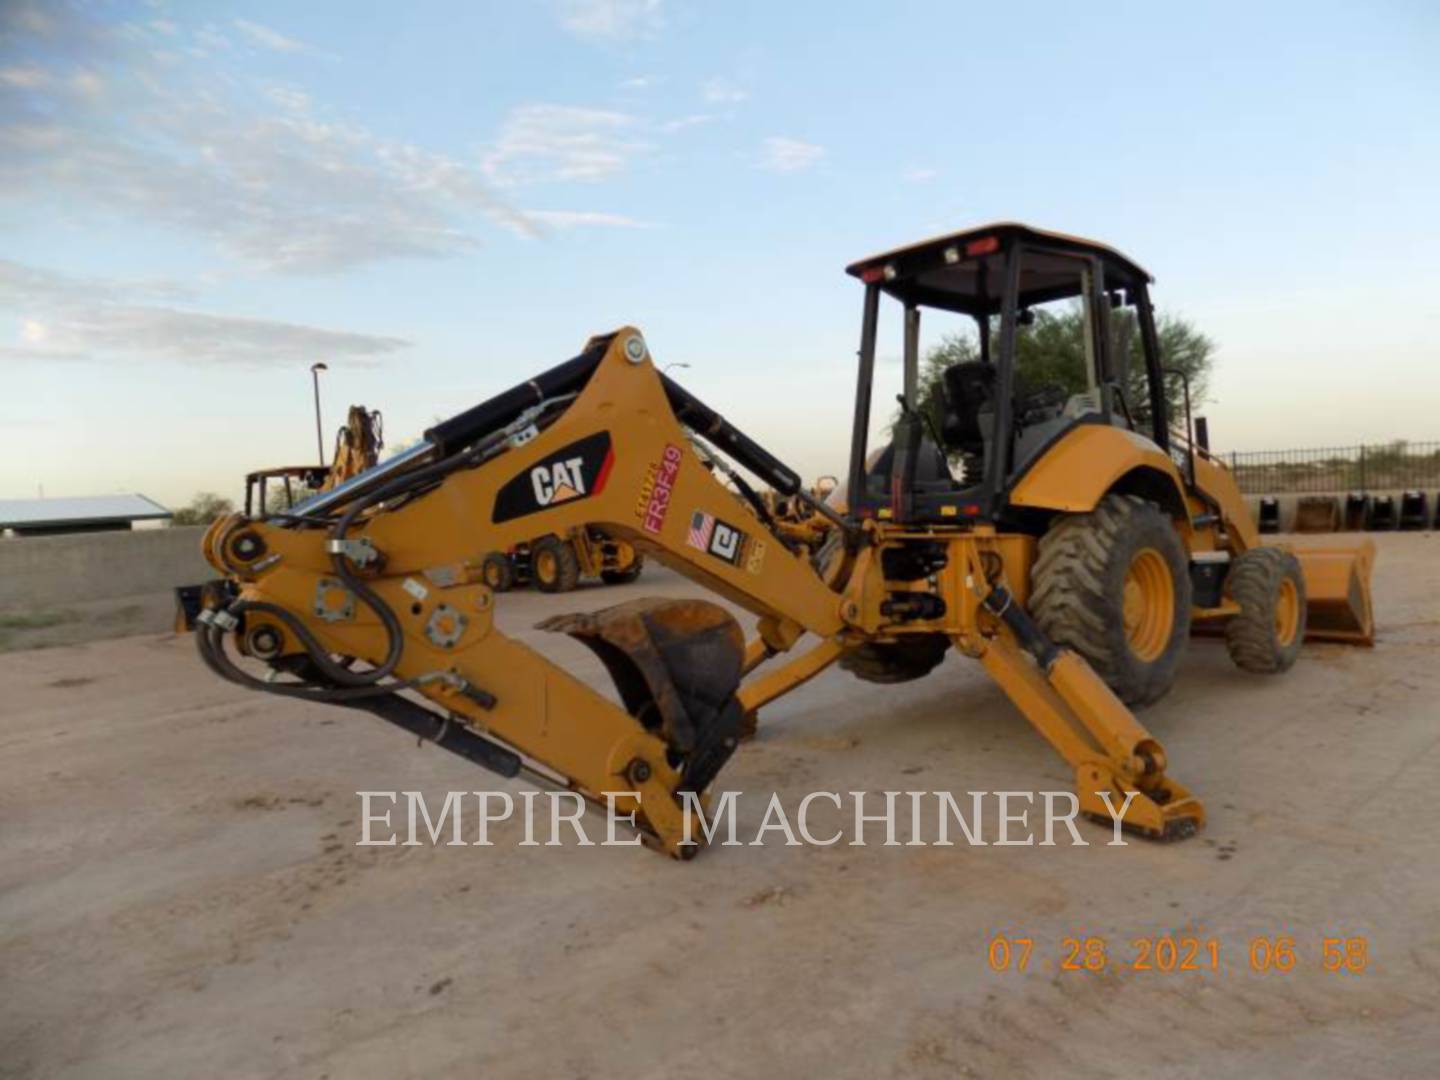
(932, 471)
(969, 394)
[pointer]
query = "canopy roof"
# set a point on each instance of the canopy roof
(954, 272)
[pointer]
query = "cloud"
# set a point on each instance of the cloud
(611, 20)
(262, 173)
(25, 75)
(190, 336)
(920, 176)
(27, 286)
(568, 219)
(683, 122)
(88, 85)
(640, 82)
(73, 318)
(723, 92)
(785, 155)
(95, 126)
(21, 354)
(210, 37)
(539, 143)
(289, 99)
(288, 193)
(266, 38)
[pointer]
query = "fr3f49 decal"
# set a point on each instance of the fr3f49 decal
(658, 489)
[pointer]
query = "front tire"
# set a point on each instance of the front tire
(1114, 586)
(554, 566)
(498, 572)
(1265, 637)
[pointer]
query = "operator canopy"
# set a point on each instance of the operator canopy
(951, 272)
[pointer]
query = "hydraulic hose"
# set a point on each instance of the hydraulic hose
(405, 483)
(210, 645)
(318, 652)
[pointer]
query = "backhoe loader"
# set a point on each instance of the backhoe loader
(556, 564)
(793, 518)
(357, 447)
(1068, 543)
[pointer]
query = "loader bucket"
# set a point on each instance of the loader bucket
(1337, 590)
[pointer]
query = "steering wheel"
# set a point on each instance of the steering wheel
(1047, 401)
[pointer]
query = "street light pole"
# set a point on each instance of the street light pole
(315, 370)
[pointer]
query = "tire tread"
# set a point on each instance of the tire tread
(1253, 583)
(1068, 596)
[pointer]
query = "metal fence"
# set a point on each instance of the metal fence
(1336, 470)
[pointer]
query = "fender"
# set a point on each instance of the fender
(1091, 460)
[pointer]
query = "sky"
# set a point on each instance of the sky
(438, 200)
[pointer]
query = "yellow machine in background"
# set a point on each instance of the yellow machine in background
(1066, 543)
(795, 519)
(557, 564)
(357, 447)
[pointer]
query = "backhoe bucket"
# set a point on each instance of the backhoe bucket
(676, 663)
(1337, 590)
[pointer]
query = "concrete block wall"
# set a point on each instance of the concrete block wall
(45, 571)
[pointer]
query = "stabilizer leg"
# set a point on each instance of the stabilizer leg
(1093, 730)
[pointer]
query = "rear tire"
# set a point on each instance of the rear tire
(1114, 586)
(626, 576)
(1265, 637)
(911, 657)
(498, 572)
(554, 566)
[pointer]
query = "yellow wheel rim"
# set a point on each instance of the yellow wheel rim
(492, 576)
(1287, 613)
(545, 568)
(1149, 607)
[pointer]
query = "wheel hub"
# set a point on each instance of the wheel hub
(1148, 604)
(1287, 613)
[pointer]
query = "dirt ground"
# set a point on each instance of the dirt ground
(180, 894)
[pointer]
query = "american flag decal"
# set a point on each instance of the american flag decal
(714, 537)
(701, 526)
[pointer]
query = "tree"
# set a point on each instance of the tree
(1050, 352)
(204, 508)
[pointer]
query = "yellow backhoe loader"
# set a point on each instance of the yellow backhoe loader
(1069, 548)
(357, 447)
(793, 517)
(556, 564)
